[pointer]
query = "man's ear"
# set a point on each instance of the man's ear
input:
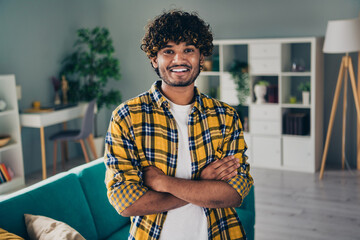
(202, 59)
(154, 62)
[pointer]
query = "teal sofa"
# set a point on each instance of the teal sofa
(78, 198)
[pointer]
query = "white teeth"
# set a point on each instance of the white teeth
(179, 70)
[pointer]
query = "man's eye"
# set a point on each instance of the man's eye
(168, 51)
(189, 50)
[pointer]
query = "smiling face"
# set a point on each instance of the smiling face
(178, 64)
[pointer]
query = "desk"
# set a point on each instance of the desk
(42, 120)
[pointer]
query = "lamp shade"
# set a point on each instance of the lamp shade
(342, 36)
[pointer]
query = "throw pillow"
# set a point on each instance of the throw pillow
(5, 235)
(43, 228)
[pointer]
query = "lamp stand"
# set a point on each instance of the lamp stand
(346, 68)
(358, 119)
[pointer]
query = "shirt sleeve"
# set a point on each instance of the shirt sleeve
(234, 144)
(123, 176)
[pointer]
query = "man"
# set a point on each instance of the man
(175, 158)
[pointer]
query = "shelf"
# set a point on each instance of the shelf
(263, 75)
(14, 184)
(8, 146)
(296, 136)
(264, 104)
(209, 73)
(285, 64)
(11, 111)
(295, 74)
(295, 105)
(11, 153)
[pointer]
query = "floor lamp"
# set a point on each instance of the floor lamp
(342, 36)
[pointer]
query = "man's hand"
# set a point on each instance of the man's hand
(205, 193)
(152, 177)
(221, 169)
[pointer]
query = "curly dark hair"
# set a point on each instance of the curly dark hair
(177, 26)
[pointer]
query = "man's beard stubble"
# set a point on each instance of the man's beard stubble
(181, 84)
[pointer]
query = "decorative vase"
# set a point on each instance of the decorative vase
(306, 97)
(260, 92)
(292, 100)
(57, 100)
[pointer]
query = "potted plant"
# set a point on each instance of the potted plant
(239, 72)
(260, 90)
(304, 87)
(89, 68)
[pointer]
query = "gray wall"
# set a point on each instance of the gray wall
(36, 35)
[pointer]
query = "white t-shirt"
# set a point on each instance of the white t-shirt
(189, 221)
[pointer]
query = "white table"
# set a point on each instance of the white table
(45, 119)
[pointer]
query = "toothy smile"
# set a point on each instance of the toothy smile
(179, 70)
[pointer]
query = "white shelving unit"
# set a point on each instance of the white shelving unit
(11, 154)
(269, 143)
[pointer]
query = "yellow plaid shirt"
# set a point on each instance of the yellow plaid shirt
(143, 132)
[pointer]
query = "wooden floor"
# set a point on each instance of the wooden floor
(292, 205)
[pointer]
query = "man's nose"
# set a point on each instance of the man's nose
(179, 57)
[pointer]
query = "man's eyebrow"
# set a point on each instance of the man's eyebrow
(190, 44)
(168, 46)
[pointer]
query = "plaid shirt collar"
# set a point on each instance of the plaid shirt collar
(158, 98)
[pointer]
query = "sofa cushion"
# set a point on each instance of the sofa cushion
(59, 197)
(107, 220)
(40, 227)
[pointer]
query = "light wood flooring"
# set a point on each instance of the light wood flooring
(292, 205)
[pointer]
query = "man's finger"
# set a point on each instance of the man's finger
(218, 163)
(230, 175)
(227, 168)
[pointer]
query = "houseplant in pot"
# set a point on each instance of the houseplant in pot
(88, 70)
(239, 72)
(304, 87)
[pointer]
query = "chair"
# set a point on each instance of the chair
(77, 135)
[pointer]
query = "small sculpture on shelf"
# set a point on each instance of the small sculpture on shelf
(260, 90)
(56, 84)
(64, 89)
(207, 65)
(292, 99)
(298, 65)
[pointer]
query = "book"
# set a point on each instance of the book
(2, 177)
(4, 171)
(296, 123)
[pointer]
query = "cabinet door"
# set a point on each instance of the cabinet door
(264, 66)
(266, 151)
(298, 154)
(264, 112)
(265, 127)
(264, 50)
(264, 58)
